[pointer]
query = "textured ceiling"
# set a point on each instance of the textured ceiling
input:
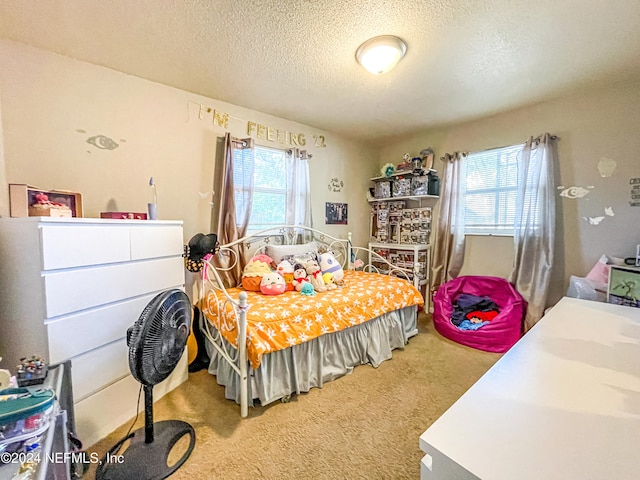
(296, 59)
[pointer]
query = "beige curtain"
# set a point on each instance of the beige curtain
(448, 251)
(236, 197)
(534, 229)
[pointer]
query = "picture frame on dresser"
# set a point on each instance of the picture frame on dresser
(23, 198)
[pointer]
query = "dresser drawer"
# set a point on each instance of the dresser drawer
(78, 333)
(156, 241)
(73, 290)
(65, 246)
(94, 370)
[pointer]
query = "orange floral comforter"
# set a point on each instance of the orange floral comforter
(276, 322)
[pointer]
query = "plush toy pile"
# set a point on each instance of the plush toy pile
(320, 274)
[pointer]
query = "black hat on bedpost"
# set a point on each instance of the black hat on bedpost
(199, 246)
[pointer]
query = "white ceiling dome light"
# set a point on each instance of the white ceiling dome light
(380, 54)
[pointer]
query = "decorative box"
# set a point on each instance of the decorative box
(383, 190)
(401, 187)
(124, 215)
(23, 202)
(420, 185)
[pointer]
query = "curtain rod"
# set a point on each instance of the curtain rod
(242, 141)
(553, 137)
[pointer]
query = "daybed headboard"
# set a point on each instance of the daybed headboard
(291, 239)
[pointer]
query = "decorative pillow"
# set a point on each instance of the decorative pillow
(276, 252)
(301, 258)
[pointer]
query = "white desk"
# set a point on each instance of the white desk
(563, 403)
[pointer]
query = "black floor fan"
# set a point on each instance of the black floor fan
(156, 342)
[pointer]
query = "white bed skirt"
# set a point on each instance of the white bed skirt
(301, 367)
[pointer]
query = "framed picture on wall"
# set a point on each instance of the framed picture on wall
(335, 213)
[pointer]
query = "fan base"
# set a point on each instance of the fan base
(146, 461)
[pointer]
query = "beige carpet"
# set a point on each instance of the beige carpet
(364, 425)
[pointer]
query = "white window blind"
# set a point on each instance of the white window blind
(492, 182)
(269, 186)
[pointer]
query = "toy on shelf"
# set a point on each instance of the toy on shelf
(32, 371)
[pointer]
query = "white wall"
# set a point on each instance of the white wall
(591, 125)
(51, 105)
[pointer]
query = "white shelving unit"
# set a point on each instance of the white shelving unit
(412, 256)
(400, 226)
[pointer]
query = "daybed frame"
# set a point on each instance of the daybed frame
(343, 250)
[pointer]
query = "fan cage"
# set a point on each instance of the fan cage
(158, 338)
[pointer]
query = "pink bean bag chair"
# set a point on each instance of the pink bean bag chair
(486, 313)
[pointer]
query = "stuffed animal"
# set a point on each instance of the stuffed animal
(299, 277)
(272, 284)
(329, 264)
(253, 272)
(329, 281)
(315, 276)
(307, 289)
(285, 269)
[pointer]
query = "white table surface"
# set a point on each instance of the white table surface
(563, 403)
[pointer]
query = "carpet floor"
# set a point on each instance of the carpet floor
(364, 425)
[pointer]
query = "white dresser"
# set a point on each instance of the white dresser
(70, 288)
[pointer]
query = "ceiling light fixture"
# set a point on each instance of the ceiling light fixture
(380, 54)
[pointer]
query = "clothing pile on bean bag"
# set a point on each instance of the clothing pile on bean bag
(482, 312)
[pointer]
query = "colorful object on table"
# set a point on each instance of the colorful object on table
(272, 284)
(124, 215)
(31, 371)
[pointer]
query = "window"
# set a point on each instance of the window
(492, 183)
(268, 167)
